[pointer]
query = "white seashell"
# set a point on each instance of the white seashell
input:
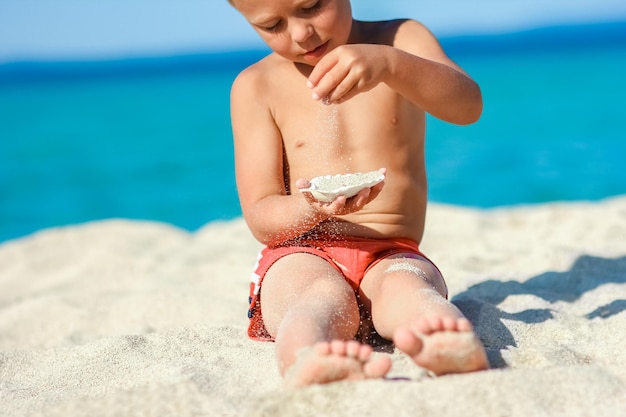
(328, 187)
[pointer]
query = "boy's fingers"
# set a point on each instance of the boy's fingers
(358, 201)
(302, 183)
(375, 190)
(326, 85)
(332, 88)
(336, 207)
(315, 76)
(343, 92)
(320, 69)
(324, 78)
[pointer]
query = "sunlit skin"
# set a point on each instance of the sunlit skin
(338, 95)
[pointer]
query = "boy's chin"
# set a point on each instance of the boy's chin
(301, 61)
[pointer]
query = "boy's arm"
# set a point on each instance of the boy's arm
(272, 215)
(269, 212)
(416, 66)
(429, 78)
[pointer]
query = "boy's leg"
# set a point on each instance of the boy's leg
(408, 305)
(306, 303)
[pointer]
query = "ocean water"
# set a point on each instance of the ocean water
(150, 138)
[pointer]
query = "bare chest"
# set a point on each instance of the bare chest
(323, 139)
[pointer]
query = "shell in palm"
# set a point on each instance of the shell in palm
(328, 187)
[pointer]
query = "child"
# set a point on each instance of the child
(340, 96)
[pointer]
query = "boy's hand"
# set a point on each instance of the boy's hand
(341, 205)
(347, 71)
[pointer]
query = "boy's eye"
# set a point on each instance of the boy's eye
(308, 10)
(273, 28)
(313, 8)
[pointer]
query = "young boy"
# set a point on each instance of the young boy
(340, 96)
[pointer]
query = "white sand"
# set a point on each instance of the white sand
(120, 318)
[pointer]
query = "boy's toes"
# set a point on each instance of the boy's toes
(442, 345)
(335, 361)
(407, 341)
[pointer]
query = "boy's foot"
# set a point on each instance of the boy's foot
(442, 345)
(335, 361)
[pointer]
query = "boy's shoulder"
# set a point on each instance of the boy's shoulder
(262, 72)
(406, 34)
(390, 32)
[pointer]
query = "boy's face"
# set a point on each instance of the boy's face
(299, 30)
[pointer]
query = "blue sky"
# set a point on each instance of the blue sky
(104, 29)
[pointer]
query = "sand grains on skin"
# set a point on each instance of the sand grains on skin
(334, 361)
(442, 345)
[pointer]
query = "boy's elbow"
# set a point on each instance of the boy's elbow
(472, 114)
(472, 110)
(265, 237)
(260, 235)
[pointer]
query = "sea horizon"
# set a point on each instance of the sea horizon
(148, 138)
(562, 36)
(76, 31)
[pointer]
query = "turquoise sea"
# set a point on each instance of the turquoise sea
(150, 138)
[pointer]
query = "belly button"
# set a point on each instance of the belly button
(394, 120)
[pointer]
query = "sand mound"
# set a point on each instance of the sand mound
(120, 318)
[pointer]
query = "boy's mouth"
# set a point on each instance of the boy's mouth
(316, 53)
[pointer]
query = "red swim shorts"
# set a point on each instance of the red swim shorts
(352, 257)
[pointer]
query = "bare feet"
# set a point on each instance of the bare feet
(335, 361)
(442, 345)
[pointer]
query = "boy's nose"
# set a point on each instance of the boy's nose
(301, 30)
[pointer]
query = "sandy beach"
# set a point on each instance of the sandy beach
(129, 318)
